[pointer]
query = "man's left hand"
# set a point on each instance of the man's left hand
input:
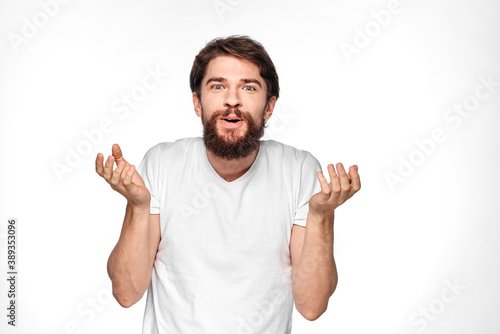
(333, 194)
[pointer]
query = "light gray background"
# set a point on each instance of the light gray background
(396, 247)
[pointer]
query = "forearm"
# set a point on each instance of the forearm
(315, 279)
(129, 264)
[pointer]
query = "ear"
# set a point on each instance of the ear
(269, 108)
(197, 105)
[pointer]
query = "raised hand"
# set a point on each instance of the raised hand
(342, 187)
(124, 179)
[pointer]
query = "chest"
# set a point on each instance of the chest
(224, 226)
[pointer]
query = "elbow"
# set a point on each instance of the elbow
(312, 315)
(315, 308)
(312, 311)
(125, 300)
(127, 292)
(125, 303)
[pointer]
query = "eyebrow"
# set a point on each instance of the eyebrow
(221, 79)
(252, 81)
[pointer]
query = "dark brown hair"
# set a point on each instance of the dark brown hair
(238, 46)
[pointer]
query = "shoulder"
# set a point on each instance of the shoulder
(182, 145)
(286, 152)
(177, 151)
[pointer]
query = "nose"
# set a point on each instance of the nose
(232, 98)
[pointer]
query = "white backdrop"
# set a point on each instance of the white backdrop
(407, 90)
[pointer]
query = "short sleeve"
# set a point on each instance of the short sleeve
(309, 185)
(149, 170)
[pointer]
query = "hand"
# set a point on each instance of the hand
(124, 179)
(339, 190)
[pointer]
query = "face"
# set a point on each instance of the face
(233, 107)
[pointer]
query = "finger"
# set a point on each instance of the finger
(335, 186)
(344, 180)
(325, 189)
(108, 167)
(116, 177)
(349, 173)
(344, 183)
(99, 166)
(117, 154)
(355, 180)
(124, 171)
(127, 181)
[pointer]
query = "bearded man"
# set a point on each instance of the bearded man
(228, 231)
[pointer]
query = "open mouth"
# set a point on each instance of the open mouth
(231, 120)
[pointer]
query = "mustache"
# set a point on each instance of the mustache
(229, 111)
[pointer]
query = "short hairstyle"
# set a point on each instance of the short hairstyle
(238, 46)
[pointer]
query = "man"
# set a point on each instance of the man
(227, 231)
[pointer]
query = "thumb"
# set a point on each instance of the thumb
(117, 154)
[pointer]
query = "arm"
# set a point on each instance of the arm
(131, 261)
(314, 273)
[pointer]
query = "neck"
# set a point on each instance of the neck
(230, 170)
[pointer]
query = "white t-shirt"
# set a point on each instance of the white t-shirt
(223, 263)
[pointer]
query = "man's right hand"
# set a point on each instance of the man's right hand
(124, 179)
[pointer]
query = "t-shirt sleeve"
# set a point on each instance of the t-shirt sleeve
(309, 185)
(149, 170)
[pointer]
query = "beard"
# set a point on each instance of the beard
(229, 145)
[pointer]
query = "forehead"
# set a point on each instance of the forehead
(232, 68)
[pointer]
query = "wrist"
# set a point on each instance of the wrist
(138, 208)
(321, 217)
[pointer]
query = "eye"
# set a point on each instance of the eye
(216, 86)
(249, 88)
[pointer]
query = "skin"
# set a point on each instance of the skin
(226, 86)
(131, 261)
(314, 273)
(230, 83)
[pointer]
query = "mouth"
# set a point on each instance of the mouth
(232, 121)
